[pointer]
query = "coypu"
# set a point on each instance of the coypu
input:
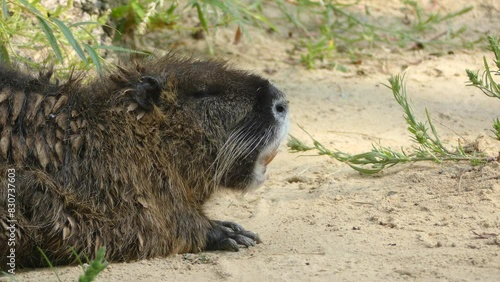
(127, 160)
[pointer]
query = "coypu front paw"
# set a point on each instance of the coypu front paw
(227, 236)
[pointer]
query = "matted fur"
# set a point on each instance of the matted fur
(108, 164)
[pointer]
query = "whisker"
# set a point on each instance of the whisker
(231, 150)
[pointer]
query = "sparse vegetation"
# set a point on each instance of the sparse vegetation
(428, 145)
(321, 28)
(342, 30)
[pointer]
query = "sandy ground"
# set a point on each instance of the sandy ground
(322, 221)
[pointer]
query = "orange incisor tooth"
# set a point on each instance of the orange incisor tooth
(271, 157)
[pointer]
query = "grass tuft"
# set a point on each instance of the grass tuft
(95, 267)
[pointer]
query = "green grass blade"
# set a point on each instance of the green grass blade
(490, 83)
(71, 39)
(456, 14)
(83, 23)
(50, 36)
(4, 55)
(49, 263)
(7, 276)
(96, 59)
(5, 10)
(201, 17)
(436, 139)
(295, 21)
(365, 170)
(121, 49)
(31, 8)
(73, 251)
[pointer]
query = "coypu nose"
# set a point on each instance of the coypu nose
(273, 100)
(280, 109)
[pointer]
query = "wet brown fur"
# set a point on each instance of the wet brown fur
(95, 166)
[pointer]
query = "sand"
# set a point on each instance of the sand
(322, 221)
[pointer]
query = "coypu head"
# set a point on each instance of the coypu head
(227, 124)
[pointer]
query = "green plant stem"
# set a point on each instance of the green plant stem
(377, 159)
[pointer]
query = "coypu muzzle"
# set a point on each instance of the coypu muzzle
(255, 140)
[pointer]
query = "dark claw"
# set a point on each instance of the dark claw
(234, 226)
(227, 236)
(227, 244)
(247, 242)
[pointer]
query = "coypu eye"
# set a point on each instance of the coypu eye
(199, 94)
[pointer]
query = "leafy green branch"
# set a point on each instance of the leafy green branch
(428, 145)
(486, 83)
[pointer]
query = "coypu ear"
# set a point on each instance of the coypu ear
(147, 92)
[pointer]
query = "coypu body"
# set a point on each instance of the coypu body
(128, 160)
